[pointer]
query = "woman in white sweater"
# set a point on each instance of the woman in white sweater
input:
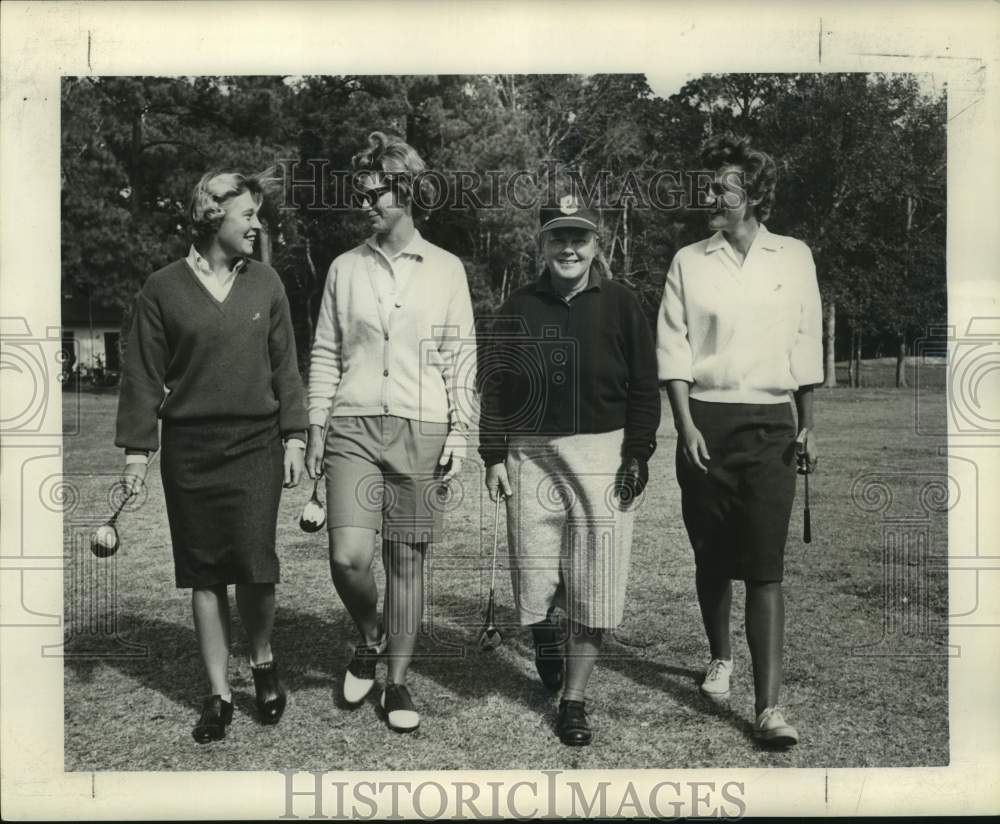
(738, 339)
(386, 412)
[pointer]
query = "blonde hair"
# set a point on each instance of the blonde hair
(206, 209)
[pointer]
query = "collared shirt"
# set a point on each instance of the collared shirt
(218, 285)
(395, 337)
(394, 273)
(567, 365)
(741, 333)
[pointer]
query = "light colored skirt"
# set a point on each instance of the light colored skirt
(569, 536)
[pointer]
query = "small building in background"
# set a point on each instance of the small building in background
(91, 335)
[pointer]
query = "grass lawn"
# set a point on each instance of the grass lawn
(488, 710)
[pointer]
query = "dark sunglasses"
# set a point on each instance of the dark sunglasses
(366, 198)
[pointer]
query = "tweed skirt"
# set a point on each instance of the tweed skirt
(569, 535)
(222, 484)
(737, 514)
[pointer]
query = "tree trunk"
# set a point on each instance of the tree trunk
(265, 245)
(311, 289)
(901, 363)
(830, 335)
(857, 360)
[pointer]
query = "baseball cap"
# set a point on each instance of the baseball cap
(568, 213)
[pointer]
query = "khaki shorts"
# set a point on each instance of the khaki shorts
(382, 473)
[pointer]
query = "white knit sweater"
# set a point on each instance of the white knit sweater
(415, 359)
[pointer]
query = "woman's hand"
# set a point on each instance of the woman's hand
(694, 447)
(452, 455)
(314, 451)
(134, 477)
(294, 464)
(806, 452)
(497, 481)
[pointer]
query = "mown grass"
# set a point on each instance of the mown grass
(488, 710)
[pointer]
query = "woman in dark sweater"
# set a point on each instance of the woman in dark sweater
(211, 352)
(570, 409)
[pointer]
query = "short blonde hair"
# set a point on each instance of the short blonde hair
(396, 160)
(207, 207)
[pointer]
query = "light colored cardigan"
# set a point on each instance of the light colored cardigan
(415, 360)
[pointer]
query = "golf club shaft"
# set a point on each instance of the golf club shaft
(496, 538)
(121, 506)
(806, 520)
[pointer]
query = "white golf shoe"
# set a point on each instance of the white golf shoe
(715, 684)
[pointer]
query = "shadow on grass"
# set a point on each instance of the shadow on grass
(680, 683)
(312, 652)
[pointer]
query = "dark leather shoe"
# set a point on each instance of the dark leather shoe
(270, 693)
(216, 715)
(572, 726)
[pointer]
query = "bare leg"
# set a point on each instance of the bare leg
(352, 550)
(715, 597)
(404, 603)
(210, 606)
(256, 606)
(765, 617)
(582, 647)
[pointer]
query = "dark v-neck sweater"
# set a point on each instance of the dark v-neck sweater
(216, 359)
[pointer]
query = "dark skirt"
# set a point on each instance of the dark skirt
(737, 515)
(222, 484)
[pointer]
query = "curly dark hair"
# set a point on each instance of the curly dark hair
(759, 170)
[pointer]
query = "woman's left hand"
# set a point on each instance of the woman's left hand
(806, 452)
(295, 465)
(453, 454)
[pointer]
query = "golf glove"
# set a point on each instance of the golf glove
(633, 475)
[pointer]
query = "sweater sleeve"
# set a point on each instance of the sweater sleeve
(458, 352)
(673, 350)
(285, 379)
(806, 358)
(492, 438)
(142, 390)
(642, 414)
(325, 358)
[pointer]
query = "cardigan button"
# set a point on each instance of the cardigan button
(385, 373)
(387, 336)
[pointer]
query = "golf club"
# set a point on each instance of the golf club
(313, 513)
(104, 542)
(806, 521)
(491, 638)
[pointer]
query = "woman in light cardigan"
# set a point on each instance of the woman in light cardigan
(738, 338)
(395, 317)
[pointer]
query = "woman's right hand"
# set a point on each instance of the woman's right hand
(497, 481)
(314, 451)
(694, 447)
(134, 477)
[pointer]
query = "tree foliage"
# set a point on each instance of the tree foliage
(861, 174)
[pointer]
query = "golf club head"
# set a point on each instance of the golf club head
(490, 638)
(104, 542)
